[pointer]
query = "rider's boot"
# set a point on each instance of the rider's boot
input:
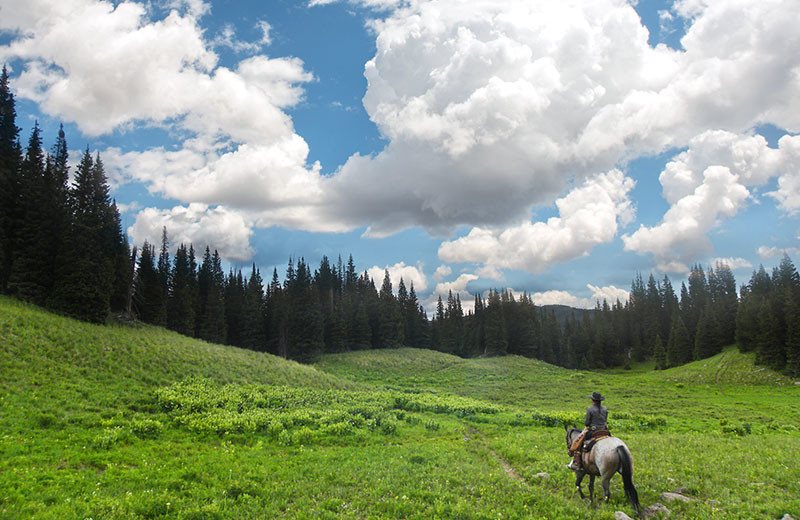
(575, 465)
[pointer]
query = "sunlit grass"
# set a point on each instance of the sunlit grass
(134, 422)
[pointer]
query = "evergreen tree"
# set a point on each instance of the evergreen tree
(659, 354)
(86, 279)
(253, 332)
(361, 337)
(10, 160)
(724, 302)
(181, 304)
(211, 308)
(390, 319)
(30, 269)
(164, 275)
(234, 305)
(276, 318)
(306, 327)
(679, 345)
(122, 266)
(496, 340)
(148, 297)
(793, 337)
(706, 343)
(769, 350)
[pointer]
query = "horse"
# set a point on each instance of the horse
(611, 455)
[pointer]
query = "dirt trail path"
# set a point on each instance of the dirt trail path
(479, 439)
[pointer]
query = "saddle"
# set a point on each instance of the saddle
(587, 458)
(587, 446)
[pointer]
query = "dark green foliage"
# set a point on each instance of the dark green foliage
(793, 337)
(148, 300)
(390, 333)
(679, 345)
(659, 354)
(181, 303)
(706, 342)
(10, 179)
(31, 267)
(86, 277)
(766, 316)
(254, 334)
(305, 321)
(211, 309)
(496, 340)
(724, 302)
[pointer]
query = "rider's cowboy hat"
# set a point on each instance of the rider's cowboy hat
(596, 396)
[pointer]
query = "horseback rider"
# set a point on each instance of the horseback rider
(596, 420)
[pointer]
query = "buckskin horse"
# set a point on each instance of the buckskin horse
(607, 457)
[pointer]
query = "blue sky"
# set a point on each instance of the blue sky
(464, 145)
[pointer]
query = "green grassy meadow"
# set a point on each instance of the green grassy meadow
(135, 422)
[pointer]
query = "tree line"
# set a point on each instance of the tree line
(62, 247)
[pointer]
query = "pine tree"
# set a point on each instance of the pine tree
(496, 340)
(148, 297)
(679, 345)
(306, 326)
(10, 160)
(234, 304)
(86, 279)
(277, 318)
(164, 275)
(793, 337)
(30, 270)
(769, 350)
(724, 301)
(181, 304)
(390, 331)
(659, 354)
(211, 308)
(706, 343)
(361, 337)
(253, 332)
(121, 259)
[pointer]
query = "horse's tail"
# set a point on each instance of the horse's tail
(626, 470)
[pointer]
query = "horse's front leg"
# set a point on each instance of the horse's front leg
(578, 478)
(591, 488)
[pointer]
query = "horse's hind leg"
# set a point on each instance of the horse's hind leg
(591, 488)
(606, 482)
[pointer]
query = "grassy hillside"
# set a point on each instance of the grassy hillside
(39, 349)
(133, 422)
(712, 385)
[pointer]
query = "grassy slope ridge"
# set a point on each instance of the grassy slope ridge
(94, 426)
(711, 385)
(38, 349)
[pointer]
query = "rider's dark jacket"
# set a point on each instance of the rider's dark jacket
(596, 418)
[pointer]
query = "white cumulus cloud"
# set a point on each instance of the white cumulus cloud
(732, 263)
(199, 225)
(712, 180)
(409, 273)
(442, 272)
(681, 236)
(768, 252)
(589, 215)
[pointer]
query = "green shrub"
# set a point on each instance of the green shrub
(46, 420)
(146, 428)
(108, 437)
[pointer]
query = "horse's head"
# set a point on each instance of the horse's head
(572, 434)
